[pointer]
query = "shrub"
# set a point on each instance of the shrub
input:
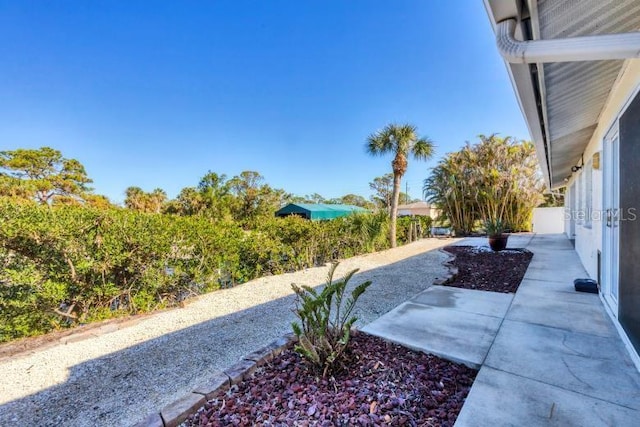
(64, 265)
(404, 227)
(325, 320)
(369, 232)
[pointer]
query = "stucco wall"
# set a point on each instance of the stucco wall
(548, 220)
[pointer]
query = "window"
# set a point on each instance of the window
(588, 196)
(579, 212)
(572, 207)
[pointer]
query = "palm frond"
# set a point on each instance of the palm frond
(423, 149)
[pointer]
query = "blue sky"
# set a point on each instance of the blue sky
(155, 94)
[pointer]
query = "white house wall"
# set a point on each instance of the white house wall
(548, 220)
(588, 240)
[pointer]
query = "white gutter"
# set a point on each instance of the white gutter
(585, 48)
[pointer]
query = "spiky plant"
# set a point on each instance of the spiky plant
(326, 319)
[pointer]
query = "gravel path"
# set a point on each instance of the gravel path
(120, 377)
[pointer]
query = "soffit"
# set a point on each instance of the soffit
(576, 92)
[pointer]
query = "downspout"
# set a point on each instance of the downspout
(584, 48)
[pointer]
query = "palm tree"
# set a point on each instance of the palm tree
(494, 179)
(401, 141)
(134, 198)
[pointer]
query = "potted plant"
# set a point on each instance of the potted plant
(495, 231)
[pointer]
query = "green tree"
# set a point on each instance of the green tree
(316, 198)
(405, 199)
(554, 199)
(16, 188)
(216, 195)
(253, 198)
(309, 198)
(135, 199)
(188, 202)
(293, 198)
(139, 200)
(42, 174)
(451, 188)
(401, 141)
(98, 201)
(383, 188)
(355, 200)
(495, 179)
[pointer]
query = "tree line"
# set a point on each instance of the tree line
(45, 176)
(70, 256)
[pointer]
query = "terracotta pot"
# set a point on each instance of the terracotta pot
(498, 243)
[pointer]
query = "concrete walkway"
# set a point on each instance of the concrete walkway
(548, 355)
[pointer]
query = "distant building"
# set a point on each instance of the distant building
(417, 209)
(318, 211)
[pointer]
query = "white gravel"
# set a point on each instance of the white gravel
(120, 377)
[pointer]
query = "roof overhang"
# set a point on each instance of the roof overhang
(562, 101)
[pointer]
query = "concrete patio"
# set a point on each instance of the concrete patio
(547, 355)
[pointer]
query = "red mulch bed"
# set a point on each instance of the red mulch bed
(384, 384)
(485, 270)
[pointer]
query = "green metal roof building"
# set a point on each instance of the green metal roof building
(318, 211)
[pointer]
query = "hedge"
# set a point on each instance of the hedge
(67, 265)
